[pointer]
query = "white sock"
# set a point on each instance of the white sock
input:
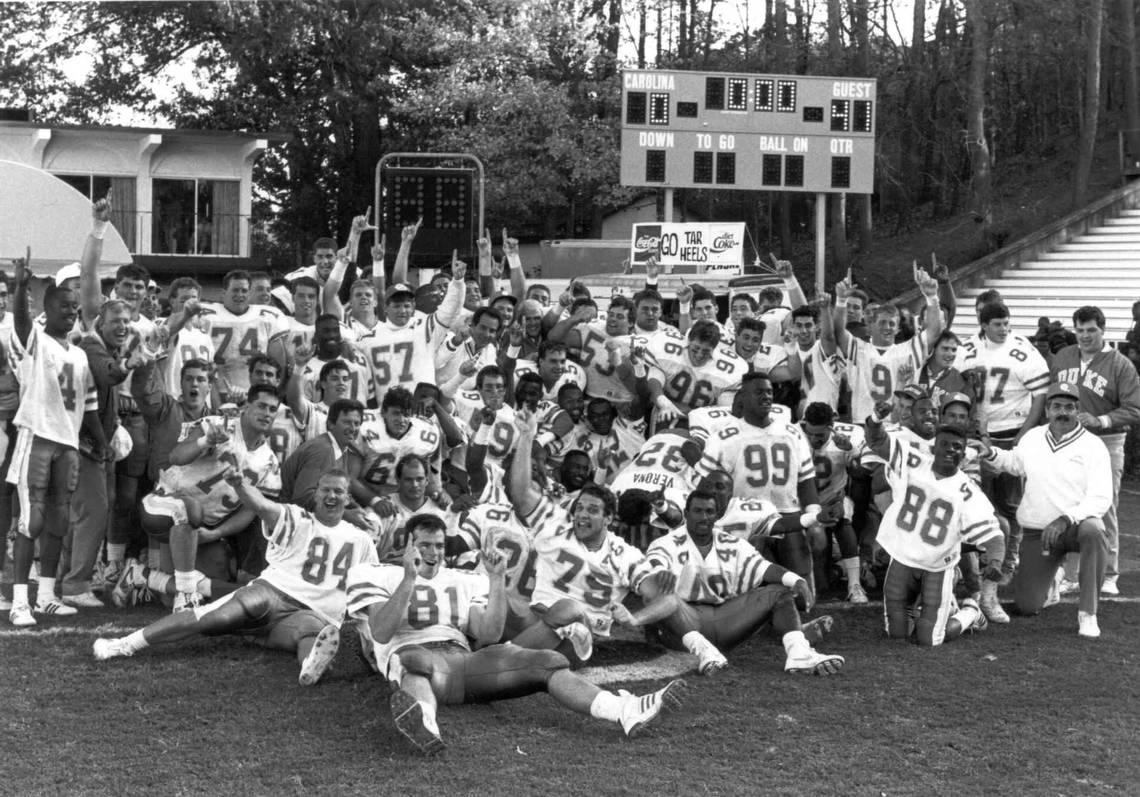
(20, 594)
(185, 580)
(116, 552)
(966, 616)
(158, 581)
(795, 643)
(46, 591)
(203, 585)
(135, 641)
(429, 717)
(694, 642)
(850, 566)
(606, 706)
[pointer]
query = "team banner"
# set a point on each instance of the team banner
(691, 247)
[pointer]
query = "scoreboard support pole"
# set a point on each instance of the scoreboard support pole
(668, 206)
(820, 240)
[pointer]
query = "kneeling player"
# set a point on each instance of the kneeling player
(723, 592)
(934, 509)
(298, 601)
(415, 621)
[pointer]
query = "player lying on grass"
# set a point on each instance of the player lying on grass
(298, 601)
(710, 590)
(934, 509)
(418, 623)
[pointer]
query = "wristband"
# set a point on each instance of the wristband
(513, 351)
(663, 398)
(789, 579)
(203, 442)
(809, 519)
(651, 284)
(99, 229)
(841, 303)
(514, 261)
(483, 436)
(1105, 421)
(640, 370)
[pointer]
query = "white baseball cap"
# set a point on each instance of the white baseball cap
(70, 271)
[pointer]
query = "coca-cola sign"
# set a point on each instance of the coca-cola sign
(723, 242)
(647, 242)
(691, 247)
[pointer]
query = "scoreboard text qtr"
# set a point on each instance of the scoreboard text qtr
(754, 132)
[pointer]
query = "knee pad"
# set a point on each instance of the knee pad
(418, 661)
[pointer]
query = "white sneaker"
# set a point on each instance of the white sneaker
(980, 622)
(1109, 586)
(408, 715)
(638, 712)
(110, 649)
(1067, 587)
(710, 661)
(812, 662)
(20, 615)
(580, 637)
(1087, 625)
(321, 656)
(53, 606)
(856, 595)
(186, 602)
(84, 600)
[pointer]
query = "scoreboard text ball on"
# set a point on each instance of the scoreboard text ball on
(753, 132)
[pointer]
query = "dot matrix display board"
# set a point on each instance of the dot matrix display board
(752, 132)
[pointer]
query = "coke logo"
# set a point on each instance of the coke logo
(722, 243)
(647, 242)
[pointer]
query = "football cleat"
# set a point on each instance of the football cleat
(84, 600)
(856, 596)
(580, 637)
(131, 579)
(321, 656)
(20, 615)
(110, 649)
(1109, 586)
(186, 602)
(990, 604)
(812, 662)
(1087, 626)
(638, 712)
(1067, 587)
(53, 606)
(408, 715)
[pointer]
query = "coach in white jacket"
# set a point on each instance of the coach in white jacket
(1068, 488)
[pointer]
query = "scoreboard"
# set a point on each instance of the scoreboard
(446, 199)
(746, 131)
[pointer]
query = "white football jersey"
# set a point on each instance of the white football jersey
(498, 524)
(392, 532)
(309, 561)
(1015, 374)
(610, 453)
(831, 462)
(572, 374)
(765, 462)
(204, 478)
(238, 337)
(193, 342)
(930, 517)
(876, 373)
(406, 355)
(504, 435)
(56, 387)
(382, 451)
(659, 465)
(600, 363)
(690, 386)
(748, 517)
(286, 434)
(768, 357)
(439, 610)
(566, 568)
(732, 567)
(821, 375)
(359, 374)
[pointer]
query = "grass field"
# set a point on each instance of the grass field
(1025, 709)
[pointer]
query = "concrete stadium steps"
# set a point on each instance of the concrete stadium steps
(1101, 268)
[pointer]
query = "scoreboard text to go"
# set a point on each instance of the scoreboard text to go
(755, 132)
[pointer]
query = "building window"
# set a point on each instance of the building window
(195, 217)
(124, 214)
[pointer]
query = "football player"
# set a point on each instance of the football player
(685, 375)
(934, 509)
(416, 623)
(298, 602)
(395, 434)
(328, 344)
(240, 331)
(601, 349)
(709, 591)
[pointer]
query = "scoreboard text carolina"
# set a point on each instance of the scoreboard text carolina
(755, 132)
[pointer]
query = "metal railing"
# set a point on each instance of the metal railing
(219, 235)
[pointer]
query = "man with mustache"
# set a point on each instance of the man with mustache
(1068, 490)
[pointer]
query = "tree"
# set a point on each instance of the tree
(980, 164)
(1094, 22)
